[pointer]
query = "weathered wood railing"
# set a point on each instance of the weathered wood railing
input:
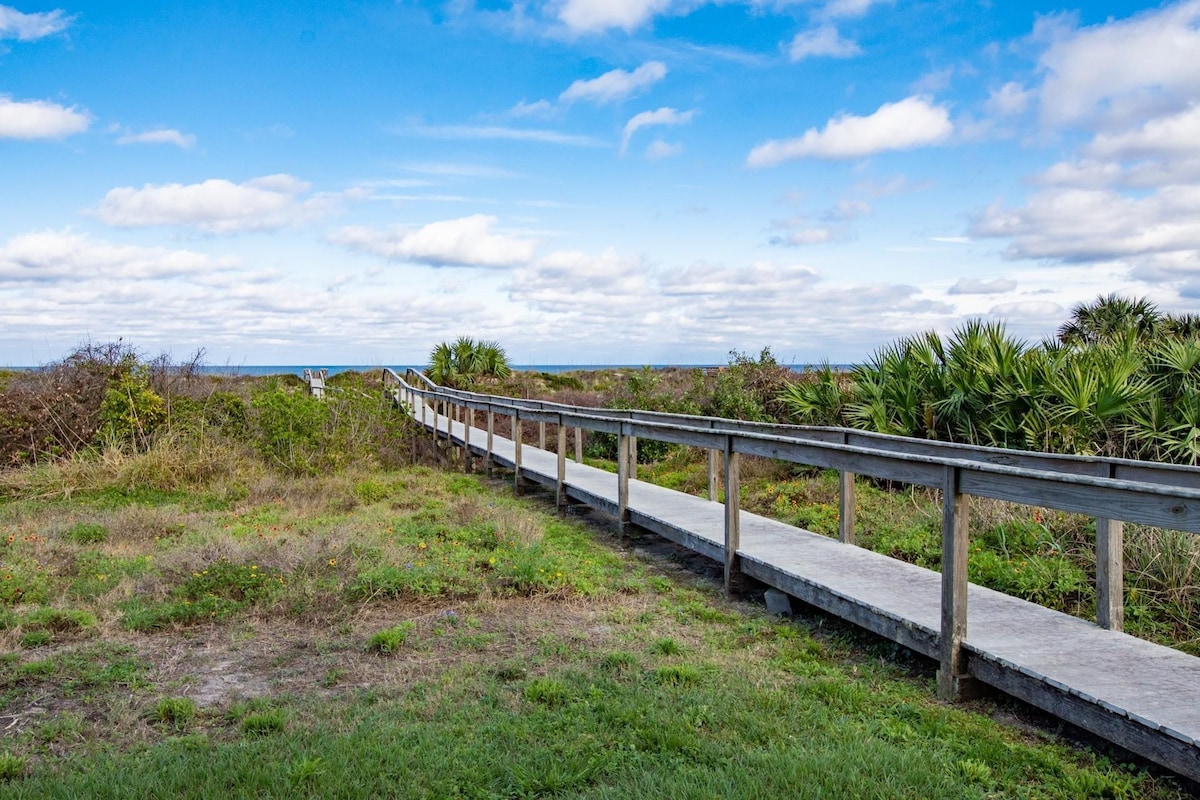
(1111, 490)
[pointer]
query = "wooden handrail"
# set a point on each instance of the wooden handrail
(1111, 490)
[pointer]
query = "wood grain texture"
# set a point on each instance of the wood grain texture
(1129, 691)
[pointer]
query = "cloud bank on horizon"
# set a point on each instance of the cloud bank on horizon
(587, 181)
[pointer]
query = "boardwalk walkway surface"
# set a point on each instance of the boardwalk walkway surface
(1136, 694)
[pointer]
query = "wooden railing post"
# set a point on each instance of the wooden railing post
(516, 432)
(542, 435)
(713, 474)
(1110, 574)
(491, 422)
(633, 457)
(561, 494)
(953, 680)
(579, 445)
(623, 481)
(469, 417)
(733, 519)
(846, 507)
(423, 404)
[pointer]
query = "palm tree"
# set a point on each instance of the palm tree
(1108, 318)
(462, 363)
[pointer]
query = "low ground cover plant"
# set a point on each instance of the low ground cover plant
(224, 636)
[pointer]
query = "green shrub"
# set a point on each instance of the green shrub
(38, 638)
(58, 620)
(667, 647)
(176, 711)
(22, 582)
(547, 692)
(12, 766)
(145, 615)
(389, 640)
(678, 675)
(289, 429)
(241, 583)
(87, 533)
(259, 723)
(131, 411)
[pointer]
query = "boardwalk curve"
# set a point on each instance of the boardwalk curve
(1136, 694)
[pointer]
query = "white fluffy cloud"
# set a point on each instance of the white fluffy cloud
(662, 116)
(912, 122)
(822, 41)
(28, 27)
(185, 141)
(1009, 100)
(707, 279)
(615, 85)
(57, 256)
(1097, 224)
(1173, 135)
(605, 284)
(216, 205)
(976, 286)
(39, 119)
(589, 16)
(1132, 193)
(1123, 70)
(465, 242)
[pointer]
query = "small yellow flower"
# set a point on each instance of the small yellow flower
(421, 546)
(333, 562)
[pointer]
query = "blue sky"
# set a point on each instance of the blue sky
(586, 181)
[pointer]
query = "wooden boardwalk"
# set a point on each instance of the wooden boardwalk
(1141, 696)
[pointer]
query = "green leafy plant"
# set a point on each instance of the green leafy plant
(174, 711)
(390, 640)
(87, 533)
(465, 362)
(12, 766)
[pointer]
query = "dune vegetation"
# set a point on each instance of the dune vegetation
(216, 586)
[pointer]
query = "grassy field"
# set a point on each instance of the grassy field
(416, 633)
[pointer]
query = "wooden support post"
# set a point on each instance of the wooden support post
(491, 433)
(733, 520)
(579, 445)
(953, 681)
(1110, 574)
(516, 432)
(713, 475)
(542, 435)
(623, 482)
(633, 457)
(469, 418)
(561, 494)
(846, 507)
(422, 412)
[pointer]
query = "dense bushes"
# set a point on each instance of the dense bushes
(1123, 380)
(109, 397)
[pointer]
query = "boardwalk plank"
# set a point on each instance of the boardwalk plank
(1137, 694)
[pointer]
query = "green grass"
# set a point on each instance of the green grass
(784, 728)
(389, 640)
(532, 657)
